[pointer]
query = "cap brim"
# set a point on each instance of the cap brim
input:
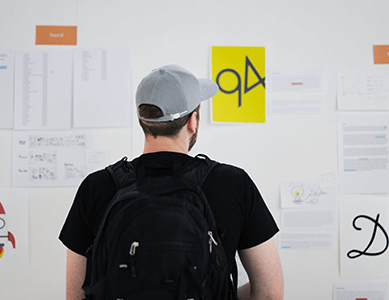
(208, 88)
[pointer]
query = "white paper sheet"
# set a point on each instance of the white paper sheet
(328, 179)
(50, 158)
(306, 228)
(306, 240)
(6, 88)
(43, 89)
(14, 226)
(309, 219)
(364, 227)
(98, 157)
(361, 291)
(363, 90)
(296, 107)
(363, 153)
(102, 87)
(297, 194)
(295, 80)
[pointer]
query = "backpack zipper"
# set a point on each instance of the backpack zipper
(132, 253)
(133, 248)
(211, 241)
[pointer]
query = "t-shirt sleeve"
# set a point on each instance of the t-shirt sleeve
(259, 224)
(238, 205)
(89, 204)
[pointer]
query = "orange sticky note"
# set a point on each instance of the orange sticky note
(381, 54)
(56, 35)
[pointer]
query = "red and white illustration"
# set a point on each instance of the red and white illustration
(6, 236)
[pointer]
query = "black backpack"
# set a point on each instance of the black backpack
(158, 238)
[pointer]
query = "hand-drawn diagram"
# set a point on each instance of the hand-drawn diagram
(307, 193)
(360, 84)
(5, 235)
(75, 172)
(309, 197)
(363, 90)
(45, 158)
(67, 140)
(353, 86)
(49, 157)
(301, 197)
(42, 173)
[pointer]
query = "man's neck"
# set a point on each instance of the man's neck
(161, 143)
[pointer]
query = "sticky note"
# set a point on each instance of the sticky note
(381, 54)
(56, 35)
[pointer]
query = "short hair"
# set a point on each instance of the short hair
(167, 129)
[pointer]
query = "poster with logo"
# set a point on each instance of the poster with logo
(14, 228)
(364, 227)
(240, 75)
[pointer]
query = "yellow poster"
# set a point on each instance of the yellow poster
(240, 75)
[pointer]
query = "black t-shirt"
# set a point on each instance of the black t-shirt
(234, 199)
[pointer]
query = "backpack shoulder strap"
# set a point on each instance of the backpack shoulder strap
(197, 170)
(122, 172)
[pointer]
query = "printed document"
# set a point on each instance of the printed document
(306, 240)
(6, 88)
(102, 87)
(296, 107)
(296, 91)
(43, 89)
(363, 90)
(363, 153)
(309, 219)
(361, 291)
(296, 80)
(308, 228)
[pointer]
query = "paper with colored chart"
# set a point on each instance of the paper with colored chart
(240, 74)
(6, 88)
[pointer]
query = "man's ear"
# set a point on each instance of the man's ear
(193, 122)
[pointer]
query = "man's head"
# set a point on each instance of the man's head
(167, 98)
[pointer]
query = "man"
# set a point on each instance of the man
(168, 102)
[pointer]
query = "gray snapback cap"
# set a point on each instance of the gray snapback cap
(175, 90)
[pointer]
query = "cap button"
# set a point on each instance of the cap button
(161, 71)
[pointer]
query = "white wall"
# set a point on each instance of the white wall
(335, 34)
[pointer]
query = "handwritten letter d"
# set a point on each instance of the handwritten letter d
(357, 253)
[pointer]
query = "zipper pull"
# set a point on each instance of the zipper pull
(133, 248)
(211, 240)
(132, 253)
